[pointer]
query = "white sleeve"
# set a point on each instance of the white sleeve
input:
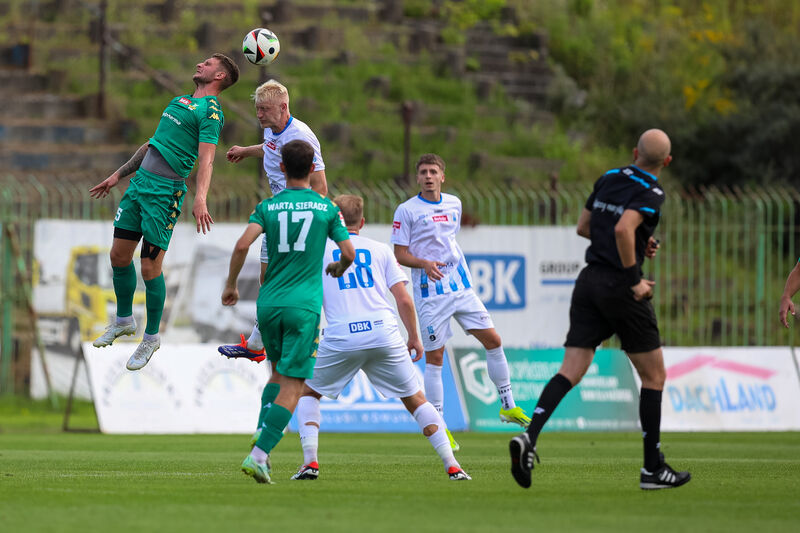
(401, 227)
(460, 215)
(310, 138)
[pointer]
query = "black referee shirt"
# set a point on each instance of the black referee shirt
(617, 190)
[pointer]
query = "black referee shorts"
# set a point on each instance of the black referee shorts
(602, 305)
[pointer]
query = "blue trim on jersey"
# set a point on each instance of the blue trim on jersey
(648, 210)
(423, 285)
(441, 197)
(291, 118)
(645, 172)
(641, 181)
(439, 287)
(453, 285)
(464, 278)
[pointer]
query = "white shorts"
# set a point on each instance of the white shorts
(264, 256)
(435, 313)
(389, 369)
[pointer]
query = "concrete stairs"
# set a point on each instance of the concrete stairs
(43, 130)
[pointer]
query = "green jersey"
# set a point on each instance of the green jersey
(297, 223)
(184, 123)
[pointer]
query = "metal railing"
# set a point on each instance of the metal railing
(724, 253)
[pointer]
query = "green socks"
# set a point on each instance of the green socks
(156, 292)
(275, 421)
(267, 397)
(124, 287)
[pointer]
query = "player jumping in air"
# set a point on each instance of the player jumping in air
(188, 131)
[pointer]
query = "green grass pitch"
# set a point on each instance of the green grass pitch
(383, 482)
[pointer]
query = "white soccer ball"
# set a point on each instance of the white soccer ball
(261, 46)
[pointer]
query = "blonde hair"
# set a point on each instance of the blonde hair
(352, 208)
(271, 91)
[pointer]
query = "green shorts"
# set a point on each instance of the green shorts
(291, 337)
(151, 206)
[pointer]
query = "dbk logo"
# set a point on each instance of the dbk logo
(499, 280)
(358, 327)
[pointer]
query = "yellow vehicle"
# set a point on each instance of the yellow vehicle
(90, 290)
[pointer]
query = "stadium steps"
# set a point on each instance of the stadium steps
(94, 157)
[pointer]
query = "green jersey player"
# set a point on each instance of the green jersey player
(297, 222)
(187, 132)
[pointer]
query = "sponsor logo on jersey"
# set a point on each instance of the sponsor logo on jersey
(360, 327)
(188, 103)
(396, 224)
(173, 119)
(440, 218)
(271, 145)
(215, 116)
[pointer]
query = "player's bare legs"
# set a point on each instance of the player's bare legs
(497, 367)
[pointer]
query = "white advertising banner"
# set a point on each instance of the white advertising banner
(186, 388)
(730, 389)
(524, 276)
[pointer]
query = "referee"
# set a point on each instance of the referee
(610, 296)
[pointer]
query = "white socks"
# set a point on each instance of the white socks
(497, 366)
(434, 391)
(308, 411)
(427, 415)
(259, 455)
(254, 342)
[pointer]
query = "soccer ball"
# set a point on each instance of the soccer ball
(261, 46)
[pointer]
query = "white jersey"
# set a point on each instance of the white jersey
(429, 230)
(273, 142)
(356, 305)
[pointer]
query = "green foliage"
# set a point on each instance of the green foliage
(712, 74)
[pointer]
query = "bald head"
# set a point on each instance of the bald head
(653, 150)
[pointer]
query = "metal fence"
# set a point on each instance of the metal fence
(724, 253)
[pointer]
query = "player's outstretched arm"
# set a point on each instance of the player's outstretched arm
(337, 268)
(405, 308)
(405, 258)
(205, 165)
(237, 153)
(791, 288)
(230, 294)
(102, 189)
